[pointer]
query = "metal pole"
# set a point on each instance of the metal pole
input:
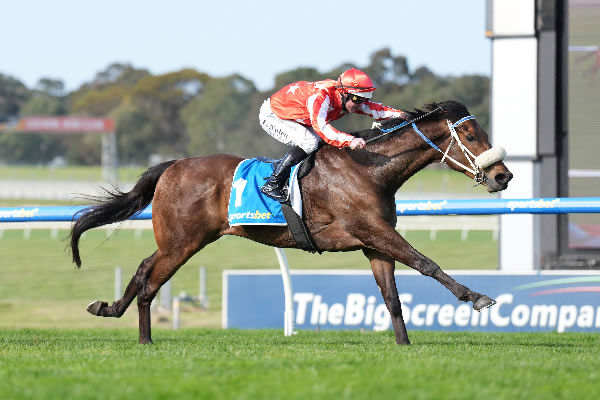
(288, 314)
(176, 313)
(202, 298)
(118, 282)
(109, 158)
(165, 295)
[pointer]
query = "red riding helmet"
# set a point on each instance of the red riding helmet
(356, 82)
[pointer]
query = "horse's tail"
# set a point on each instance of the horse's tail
(116, 206)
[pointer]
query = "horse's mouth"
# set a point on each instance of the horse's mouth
(498, 182)
(495, 188)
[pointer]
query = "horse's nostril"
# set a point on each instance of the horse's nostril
(503, 178)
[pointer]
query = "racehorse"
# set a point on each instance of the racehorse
(348, 204)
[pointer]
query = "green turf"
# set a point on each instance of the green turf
(232, 364)
(40, 287)
(44, 203)
(70, 173)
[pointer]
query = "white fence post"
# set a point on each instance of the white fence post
(165, 295)
(175, 313)
(118, 282)
(202, 297)
(288, 314)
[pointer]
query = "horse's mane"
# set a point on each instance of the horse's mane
(450, 109)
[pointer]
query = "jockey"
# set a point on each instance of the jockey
(300, 113)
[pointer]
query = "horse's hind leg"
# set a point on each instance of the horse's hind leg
(165, 266)
(383, 270)
(118, 308)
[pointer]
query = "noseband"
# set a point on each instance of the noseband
(478, 163)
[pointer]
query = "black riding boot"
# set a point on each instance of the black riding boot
(274, 187)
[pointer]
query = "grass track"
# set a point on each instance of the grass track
(218, 364)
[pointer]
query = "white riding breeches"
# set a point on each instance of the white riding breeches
(287, 131)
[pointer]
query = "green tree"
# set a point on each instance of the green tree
(13, 94)
(387, 70)
(34, 148)
(213, 119)
(122, 74)
(135, 134)
(99, 102)
(163, 98)
(51, 87)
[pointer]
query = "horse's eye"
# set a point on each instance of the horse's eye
(470, 137)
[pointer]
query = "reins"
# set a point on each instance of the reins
(387, 131)
(478, 163)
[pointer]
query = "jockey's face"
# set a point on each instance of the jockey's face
(354, 102)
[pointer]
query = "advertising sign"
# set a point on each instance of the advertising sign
(334, 299)
(65, 124)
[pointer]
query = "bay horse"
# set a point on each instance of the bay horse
(348, 204)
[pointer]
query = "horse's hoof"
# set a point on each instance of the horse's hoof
(95, 307)
(483, 302)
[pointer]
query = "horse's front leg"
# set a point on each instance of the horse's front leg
(383, 270)
(384, 238)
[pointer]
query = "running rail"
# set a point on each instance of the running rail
(559, 205)
(53, 213)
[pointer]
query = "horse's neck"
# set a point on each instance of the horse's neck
(407, 153)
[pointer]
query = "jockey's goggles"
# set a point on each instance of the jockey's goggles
(357, 99)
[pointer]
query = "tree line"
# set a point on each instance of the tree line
(190, 113)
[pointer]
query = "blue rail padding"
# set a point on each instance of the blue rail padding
(403, 207)
(560, 205)
(62, 213)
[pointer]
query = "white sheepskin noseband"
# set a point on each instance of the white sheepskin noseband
(490, 157)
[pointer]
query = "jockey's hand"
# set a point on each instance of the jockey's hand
(357, 143)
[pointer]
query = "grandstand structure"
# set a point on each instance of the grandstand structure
(540, 113)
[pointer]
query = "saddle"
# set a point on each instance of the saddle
(295, 223)
(246, 198)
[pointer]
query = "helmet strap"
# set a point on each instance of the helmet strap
(345, 96)
(343, 93)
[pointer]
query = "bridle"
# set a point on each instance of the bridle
(477, 163)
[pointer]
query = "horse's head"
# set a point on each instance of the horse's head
(466, 148)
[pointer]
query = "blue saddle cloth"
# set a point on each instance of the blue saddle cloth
(247, 204)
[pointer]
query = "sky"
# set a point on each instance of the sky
(72, 40)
